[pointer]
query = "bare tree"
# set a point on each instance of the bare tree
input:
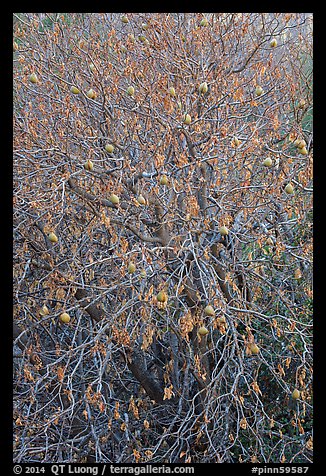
(163, 237)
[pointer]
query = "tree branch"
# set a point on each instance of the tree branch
(134, 357)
